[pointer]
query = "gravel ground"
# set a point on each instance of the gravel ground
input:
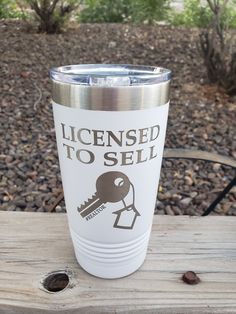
(201, 117)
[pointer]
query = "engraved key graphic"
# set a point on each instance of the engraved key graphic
(112, 186)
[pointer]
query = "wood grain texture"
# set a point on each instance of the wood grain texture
(34, 244)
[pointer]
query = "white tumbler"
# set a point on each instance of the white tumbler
(110, 123)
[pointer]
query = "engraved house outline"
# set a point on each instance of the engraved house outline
(121, 212)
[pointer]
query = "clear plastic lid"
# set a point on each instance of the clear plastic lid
(108, 75)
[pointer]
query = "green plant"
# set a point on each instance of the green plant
(218, 49)
(106, 11)
(10, 9)
(150, 11)
(229, 15)
(119, 11)
(52, 14)
(196, 14)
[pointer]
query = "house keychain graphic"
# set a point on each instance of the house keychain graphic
(113, 187)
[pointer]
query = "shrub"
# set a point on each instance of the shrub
(150, 11)
(119, 11)
(218, 49)
(196, 14)
(10, 9)
(106, 11)
(52, 15)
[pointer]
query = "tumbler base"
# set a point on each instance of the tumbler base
(110, 260)
(112, 271)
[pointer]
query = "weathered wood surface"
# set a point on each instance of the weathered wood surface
(179, 153)
(34, 244)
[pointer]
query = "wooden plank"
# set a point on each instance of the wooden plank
(34, 244)
(179, 153)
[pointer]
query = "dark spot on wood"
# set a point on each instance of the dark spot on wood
(56, 281)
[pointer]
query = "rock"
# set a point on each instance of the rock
(10, 174)
(13, 190)
(163, 196)
(177, 210)
(159, 205)
(169, 211)
(193, 194)
(21, 166)
(19, 182)
(19, 209)
(226, 207)
(4, 206)
(41, 210)
(189, 211)
(24, 139)
(205, 136)
(217, 139)
(3, 167)
(232, 211)
(21, 175)
(32, 175)
(218, 209)
(47, 197)
(58, 209)
(167, 184)
(32, 187)
(43, 188)
(8, 159)
(29, 198)
(6, 198)
(38, 202)
(25, 74)
(176, 197)
(188, 180)
(20, 203)
(200, 197)
(112, 44)
(11, 207)
(63, 209)
(216, 167)
(211, 175)
(204, 205)
(185, 202)
(168, 164)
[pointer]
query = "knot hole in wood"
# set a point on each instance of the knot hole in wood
(56, 281)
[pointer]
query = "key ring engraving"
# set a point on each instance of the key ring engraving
(112, 187)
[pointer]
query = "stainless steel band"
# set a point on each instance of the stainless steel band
(116, 98)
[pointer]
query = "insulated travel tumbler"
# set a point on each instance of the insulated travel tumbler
(110, 123)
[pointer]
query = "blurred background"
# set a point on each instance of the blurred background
(195, 39)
